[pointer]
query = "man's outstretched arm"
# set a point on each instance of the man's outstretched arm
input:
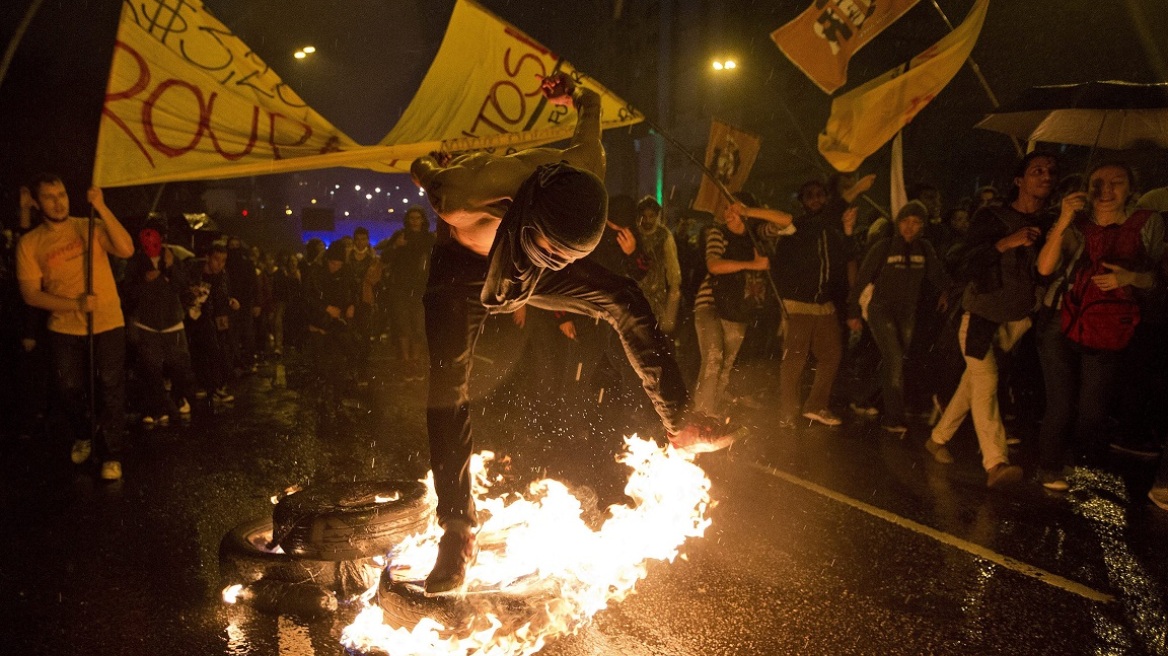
(586, 150)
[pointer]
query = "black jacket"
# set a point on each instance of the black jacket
(156, 304)
(811, 266)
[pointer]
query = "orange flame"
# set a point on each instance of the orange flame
(539, 548)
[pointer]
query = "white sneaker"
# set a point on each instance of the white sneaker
(824, 417)
(147, 421)
(81, 451)
(185, 408)
(164, 420)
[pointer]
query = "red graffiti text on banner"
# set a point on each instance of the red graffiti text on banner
(198, 118)
(505, 105)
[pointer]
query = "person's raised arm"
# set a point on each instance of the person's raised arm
(862, 185)
(777, 217)
(585, 150)
(120, 243)
(1050, 255)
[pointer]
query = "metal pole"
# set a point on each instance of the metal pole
(89, 328)
(10, 52)
(985, 85)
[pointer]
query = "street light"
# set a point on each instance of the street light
(724, 64)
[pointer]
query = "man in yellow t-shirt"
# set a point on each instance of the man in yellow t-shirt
(50, 266)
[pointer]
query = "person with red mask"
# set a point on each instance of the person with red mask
(152, 300)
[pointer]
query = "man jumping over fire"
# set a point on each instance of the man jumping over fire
(518, 228)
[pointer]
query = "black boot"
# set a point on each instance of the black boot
(456, 551)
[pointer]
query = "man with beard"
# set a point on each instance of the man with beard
(662, 282)
(810, 269)
(51, 269)
(517, 228)
(999, 262)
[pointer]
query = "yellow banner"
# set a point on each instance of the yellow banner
(864, 119)
(730, 154)
(483, 92)
(822, 39)
(187, 99)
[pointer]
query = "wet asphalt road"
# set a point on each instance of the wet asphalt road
(842, 541)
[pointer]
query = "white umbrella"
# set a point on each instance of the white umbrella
(1113, 115)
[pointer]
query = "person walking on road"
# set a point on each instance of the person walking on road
(51, 269)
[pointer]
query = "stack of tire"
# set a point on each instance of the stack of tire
(322, 543)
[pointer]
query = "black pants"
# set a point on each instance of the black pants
(454, 318)
(160, 354)
(208, 348)
(70, 357)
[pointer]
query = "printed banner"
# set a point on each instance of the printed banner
(864, 119)
(482, 92)
(822, 39)
(186, 99)
(730, 155)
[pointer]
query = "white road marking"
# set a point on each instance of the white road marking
(943, 537)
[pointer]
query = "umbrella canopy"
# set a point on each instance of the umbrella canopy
(1115, 115)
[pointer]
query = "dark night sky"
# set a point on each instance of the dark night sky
(373, 54)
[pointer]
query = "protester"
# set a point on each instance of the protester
(810, 269)
(896, 269)
(241, 272)
(1103, 255)
(498, 258)
(153, 286)
(52, 262)
(735, 289)
(998, 300)
(406, 257)
(266, 271)
(361, 259)
(209, 305)
(24, 338)
(662, 281)
(331, 303)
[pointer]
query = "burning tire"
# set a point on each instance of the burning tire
(350, 521)
(244, 559)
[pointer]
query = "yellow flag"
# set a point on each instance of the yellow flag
(822, 39)
(730, 154)
(483, 92)
(864, 119)
(186, 99)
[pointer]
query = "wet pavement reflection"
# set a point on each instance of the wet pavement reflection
(823, 541)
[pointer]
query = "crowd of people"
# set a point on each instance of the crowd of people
(1016, 310)
(1013, 308)
(172, 328)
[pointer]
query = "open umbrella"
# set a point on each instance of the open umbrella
(1113, 115)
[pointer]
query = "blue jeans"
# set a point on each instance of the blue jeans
(1075, 380)
(70, 361)
(719, 341)
(892, 330)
